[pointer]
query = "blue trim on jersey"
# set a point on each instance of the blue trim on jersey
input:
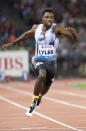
(46, 57)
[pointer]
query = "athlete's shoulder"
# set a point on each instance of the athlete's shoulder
(39, 26)
(53, 26)
(34, 26)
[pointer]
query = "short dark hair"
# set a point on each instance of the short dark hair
(50, 10)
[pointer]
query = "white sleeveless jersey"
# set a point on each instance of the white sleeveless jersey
(46, 45)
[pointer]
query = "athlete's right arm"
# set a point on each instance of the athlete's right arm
(25, 36)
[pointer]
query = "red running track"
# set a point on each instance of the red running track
(62, 108)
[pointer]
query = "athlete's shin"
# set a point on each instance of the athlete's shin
(39, 82)
(45, 90)
(38, 87)
(46, 87)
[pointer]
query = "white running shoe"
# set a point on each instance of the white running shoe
(31, 109)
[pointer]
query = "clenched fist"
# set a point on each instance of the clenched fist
(73, 32)
(5, 46)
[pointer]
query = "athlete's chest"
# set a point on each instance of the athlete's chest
(44, 39)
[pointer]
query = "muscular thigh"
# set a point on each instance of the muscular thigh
(44, 67)
(38, 67)
(50, 73)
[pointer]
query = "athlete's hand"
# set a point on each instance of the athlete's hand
(73, 32)
(6, 46)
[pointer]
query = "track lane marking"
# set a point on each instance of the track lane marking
(39, 114)
(47, 98)
(68, 93)
(58, 91)
(34, 128)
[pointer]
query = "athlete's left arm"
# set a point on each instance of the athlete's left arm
(68, 32)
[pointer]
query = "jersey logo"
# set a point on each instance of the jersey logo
(46, 52)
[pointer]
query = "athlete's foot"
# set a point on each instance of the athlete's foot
(31, 109)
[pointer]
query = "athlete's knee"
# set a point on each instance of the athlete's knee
(41, 77)
(42, 74)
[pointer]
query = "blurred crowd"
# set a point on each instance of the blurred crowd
(68, 13)
(8, 31)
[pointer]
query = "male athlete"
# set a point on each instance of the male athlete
(47, 37)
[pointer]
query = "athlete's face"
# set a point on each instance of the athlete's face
(48, 19)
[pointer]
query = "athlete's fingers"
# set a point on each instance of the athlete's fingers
(4, 46)
(73, 32)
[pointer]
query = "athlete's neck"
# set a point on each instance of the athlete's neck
(44, 29)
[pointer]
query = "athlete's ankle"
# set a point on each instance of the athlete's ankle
(34, 97)
(40, 96)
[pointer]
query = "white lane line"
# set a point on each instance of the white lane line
(47, 98)
(68, 93)
(32, 128)
(57, 91)
(39, 114)
(66, 103)
(35, 129)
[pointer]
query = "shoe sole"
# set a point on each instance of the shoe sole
(29, 114)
